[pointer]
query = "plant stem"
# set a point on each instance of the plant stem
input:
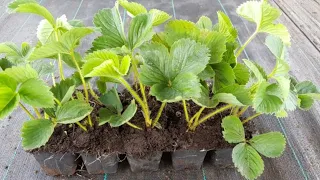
(186, 114)
(57, 101)
(246, 43)
(134, 126)
(59, 58)
(139, 100)
(27, 111)
(83, 83)
(81, 126)
(251, 117)
(142, 89)
(217, 111)
(154, 123)
(235, 110)
(93, 94)
(242, 111)
(37, 112)
(196, 122)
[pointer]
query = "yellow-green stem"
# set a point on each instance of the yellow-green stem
(242, 111)
(81, 126)
(235, 110)
(251, 117)
(139, 100)
(186, 114)
(37, 112)
(57, 101)
(196, 122)
(27, 111)
(154, 123)
(95, 96)
(59, 58)
(83, 83)
(217, 111)
(246, 43)
(134, 126)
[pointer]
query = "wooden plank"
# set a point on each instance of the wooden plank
(306, 15)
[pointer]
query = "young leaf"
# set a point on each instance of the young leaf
(268, 98)
(228, 55)
(23, 6)
(264, 15)
(307, 93)
(207, 73)
(234, 94)
(241, 73)
(105, 115)
(112, 101)
(69, 61)
(270, 144)
(205, 100)
(36, 93)
(226, 27)
(276, 46)
(4, 64)
(140, 30)
(233, 130)
(159, 17)
(204, 23)
(178, 29)
(8, 101)
(258, 71)
(247, 161)
(21, 73)
(118, 120)
(73, 111)
(101, 85)
(224, 75)
(132, 7)
(71, 38)
(110, 23)
(45, 32)
(216, 43)
(63, 89)
(36, 133)
(173, 76)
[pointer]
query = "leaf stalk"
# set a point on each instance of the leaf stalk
(27, 111)
(59, 57)
(251, 117)
(186, 114)
(154, 123)
(246, 43)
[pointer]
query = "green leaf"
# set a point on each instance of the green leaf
(8, 101)
(307, 93)
(140, 30)
(125, 64)
(132, 7)
(305, 102)
(36, 133)
(32, 7)
(7, 81)
(204, 23)
(276, 46)
(264, 15)
(71, 39)
(159, 17)
(36, 93)
(173, 76)
(284, 84)
(104, 63)
(247, 161)
(112, 101)
(306, 87)
(4, 64)
(14, 54)
(292, 101)
(268, 98)
(69, 61)
(101, 85)
(233, 130)
(205, 100)
(226, 27)
(48, 50)
(21, 73)
(224, 75)
(234, 94)
(207, 73)
(216, 42)
(118, 120)
(270, 144)
(45, 31)
(257, 70)
(43, 68)
(61, 89)
(241, 73)
(179, 29)
(76, 23)
(110, 22)
(228, 55)
(73, 111)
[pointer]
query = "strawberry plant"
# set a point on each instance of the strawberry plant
(186, 63)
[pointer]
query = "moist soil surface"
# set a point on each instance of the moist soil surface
(172, 135)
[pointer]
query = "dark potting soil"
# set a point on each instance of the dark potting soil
(173, 134)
